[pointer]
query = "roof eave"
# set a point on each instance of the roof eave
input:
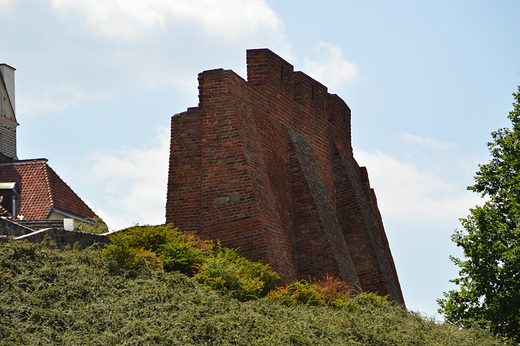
(69, 214)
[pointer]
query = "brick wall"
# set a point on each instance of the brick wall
(13, 229)
(64, 239)
(266, 165)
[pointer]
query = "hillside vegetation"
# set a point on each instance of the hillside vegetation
(113, 297)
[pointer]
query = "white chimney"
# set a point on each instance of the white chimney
(68, 224)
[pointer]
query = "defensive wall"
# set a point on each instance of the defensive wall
(266, 165)
(36, 231)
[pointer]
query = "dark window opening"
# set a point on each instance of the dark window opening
(9, 195)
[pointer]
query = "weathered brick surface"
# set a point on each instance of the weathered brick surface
(64, 239)
(266, 165)
(13, 229)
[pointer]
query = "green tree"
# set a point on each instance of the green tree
(489, 279)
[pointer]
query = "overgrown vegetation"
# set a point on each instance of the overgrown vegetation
(206, 261)
(243, 279)
(329, 291)
(52, 297)
(97, 226)
(156, 285)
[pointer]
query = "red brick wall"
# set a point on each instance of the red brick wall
(266, 165)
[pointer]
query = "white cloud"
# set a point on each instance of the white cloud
(102, 49)
(330, 67)
(52, 98)
(412, 195)
(5, 3)
(426, 142)
(133, 19)
(134, 183)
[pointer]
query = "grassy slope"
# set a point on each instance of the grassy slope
(49, 297)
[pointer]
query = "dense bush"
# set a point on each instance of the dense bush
(231, 272)
(158, 244)
(216, 267)
(97, 226)
(130, 258)
(51, 297)
(328, 291)
(298, 292)
(151, 238)
(186, 253)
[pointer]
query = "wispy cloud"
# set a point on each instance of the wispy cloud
(411, 195)
(132, 20)
(53, 98)
(426, 142)
(134, 183)
(330, 67)
(5, 4)
(110, 48)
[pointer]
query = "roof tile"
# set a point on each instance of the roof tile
(42, 189)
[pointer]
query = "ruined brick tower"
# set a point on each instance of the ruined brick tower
(266, 165)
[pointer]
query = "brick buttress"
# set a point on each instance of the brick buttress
(266, 166)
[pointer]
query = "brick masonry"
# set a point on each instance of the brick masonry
(36, 232)
(64, 239)
(266, 165)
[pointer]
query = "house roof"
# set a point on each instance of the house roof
(42, 191)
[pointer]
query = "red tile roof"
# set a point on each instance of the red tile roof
(42, 190)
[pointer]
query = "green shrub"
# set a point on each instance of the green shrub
(223, 269)
(155, 245)
(130, 258)
(97, 227)
(151, 238)
(298, 292)
(52, 297)
(243, 278)
(186, 253)
(334, 290)
(369, 298)
(328, 291)
(216, 267)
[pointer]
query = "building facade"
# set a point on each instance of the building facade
(30, 189)
(8, 123)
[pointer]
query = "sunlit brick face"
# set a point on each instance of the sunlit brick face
(266, 166)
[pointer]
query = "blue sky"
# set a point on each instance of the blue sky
(98, 80)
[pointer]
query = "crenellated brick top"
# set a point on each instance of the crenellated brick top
(266, 165)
